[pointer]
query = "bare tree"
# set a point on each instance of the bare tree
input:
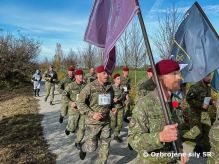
(89, 56)
(124, 47)
(168, 25)
(137, 51)
(58, 57)
(71, 59)
(17, 57)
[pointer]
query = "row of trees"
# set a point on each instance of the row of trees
(18, 54)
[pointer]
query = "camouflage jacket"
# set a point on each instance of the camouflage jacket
(196, 95)
(197, 115)
(144, 86)
(119, 94)
(63, 84)
(50, 76)
(89, 78)
(126, 82)
(90, 99)
(147, 122)
(71, 92)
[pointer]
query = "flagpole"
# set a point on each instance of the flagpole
(150, 55)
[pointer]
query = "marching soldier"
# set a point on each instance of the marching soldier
(146, 84)
(51, 78)
(61, 87)
(119, 98)
(71, 94)
(199, 99)
(96, 101)
(126, 84)
(148, 133)
(91, 76)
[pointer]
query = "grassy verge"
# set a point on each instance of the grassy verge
(21, 134)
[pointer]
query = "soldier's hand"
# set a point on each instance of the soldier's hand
(115, 99)
(204, 106)
(127, 97)
(183, 159)
(73, 105)
(114, 110)
(169, 133)
(97, 116)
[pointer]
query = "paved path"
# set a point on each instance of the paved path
(63, 146)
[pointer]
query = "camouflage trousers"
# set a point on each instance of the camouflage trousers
(127, 109)
(95, 133)
(73, 119)
(81, 129)
(117, 121)
(214, 140)
(64, 107)
(50, 89)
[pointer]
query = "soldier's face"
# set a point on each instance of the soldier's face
(79, 78)
(171, 81)
(125, 73)
(149, 74)
(102, 77)
(207, 79)
(70, 74)
(92, 71)
(117, 80)
(50, 68)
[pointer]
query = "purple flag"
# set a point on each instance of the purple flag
(98, 22)
(122, 12)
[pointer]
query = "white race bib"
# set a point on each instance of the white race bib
(125, 89)
(207, 100)
(77, 96)
(104, 99)
(38, 79)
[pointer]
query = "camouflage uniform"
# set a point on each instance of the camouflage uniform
(89, 78)
(147, 122)
(71, 94)
(214, 139)
(144, 86)
(126, 84)
(117, 120)
(88, 103)
(51, 78)
(199, 119)
(61, 87)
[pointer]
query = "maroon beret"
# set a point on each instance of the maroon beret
(125, 69)
(116, 75)
(100, 69)
(166, 66)
(78, 72)
(70, 68)
(149, 70)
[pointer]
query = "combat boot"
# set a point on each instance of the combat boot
(67, 132)
(35, 92)
(38, 90)
(50, 103)
(61, 119)
(82, 154)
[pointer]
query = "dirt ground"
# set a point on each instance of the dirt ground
(21, 134)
